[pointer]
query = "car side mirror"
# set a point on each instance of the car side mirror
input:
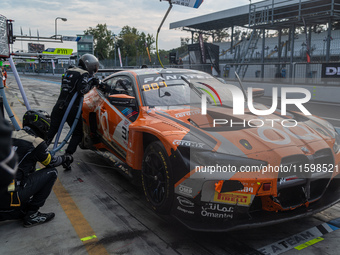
(221, 80)
(337, 130)
(122, 100)
(258, 92)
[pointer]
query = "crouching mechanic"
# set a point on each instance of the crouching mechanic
(30, 188)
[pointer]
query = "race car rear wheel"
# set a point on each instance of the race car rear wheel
(156, 178)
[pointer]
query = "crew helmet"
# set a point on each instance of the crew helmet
(39, 121)
(90, 63)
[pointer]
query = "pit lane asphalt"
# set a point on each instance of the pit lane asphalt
(95, 202)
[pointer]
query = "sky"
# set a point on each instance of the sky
(145, 15)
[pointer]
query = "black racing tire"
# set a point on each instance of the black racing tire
(157, 178)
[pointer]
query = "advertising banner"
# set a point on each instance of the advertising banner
(330, 70)
(58, 51)
(36, 47)
(187, 3)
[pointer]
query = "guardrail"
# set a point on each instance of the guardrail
(297, 72)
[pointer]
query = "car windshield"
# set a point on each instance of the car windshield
(170, 89)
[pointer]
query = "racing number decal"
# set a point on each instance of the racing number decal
(154, 86)
(121, 134)
(124, 133)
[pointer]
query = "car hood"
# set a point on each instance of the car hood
(240, 135)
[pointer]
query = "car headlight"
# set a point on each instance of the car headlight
(336, 146)
(336, 132)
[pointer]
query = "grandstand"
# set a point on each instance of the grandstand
(317, 47)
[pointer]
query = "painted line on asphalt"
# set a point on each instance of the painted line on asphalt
(16, 96)
(16, 117)
(78, 221)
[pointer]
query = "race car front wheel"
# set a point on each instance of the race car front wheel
(156, 178)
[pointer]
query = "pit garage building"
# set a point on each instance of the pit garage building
(288, 54)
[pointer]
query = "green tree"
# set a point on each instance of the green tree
(133, 44)
(102, 40)
(144, 41)
(128, 40)
(237, 34)
(221, 35)
(197, 35)
(335, 26)
(185, 41)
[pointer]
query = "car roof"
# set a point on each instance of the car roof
(153, 71)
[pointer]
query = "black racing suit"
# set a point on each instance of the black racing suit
(75, 79)
(8, 158)
(32, 187)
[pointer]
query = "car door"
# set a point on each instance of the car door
(120, 110)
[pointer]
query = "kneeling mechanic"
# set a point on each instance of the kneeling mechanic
(30, 188)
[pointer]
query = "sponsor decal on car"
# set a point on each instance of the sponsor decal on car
(249, 187)
(169, 76)
(185, 190)
(217, 207)
(188, 143)
(183, 114)
(232, 198)
(185, 202)
(185, 210)
(128, 112)
(213, 210)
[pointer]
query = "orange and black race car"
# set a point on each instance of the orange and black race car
(175, 131)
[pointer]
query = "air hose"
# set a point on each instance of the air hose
(80, 107)
(55, 147)
(22, 91)
(8, 108)
(21, 88)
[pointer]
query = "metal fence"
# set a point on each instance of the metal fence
(285, 72)
(295, 73)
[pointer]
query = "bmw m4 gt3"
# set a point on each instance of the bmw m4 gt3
(175, 131)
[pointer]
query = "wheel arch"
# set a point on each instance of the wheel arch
(135, 159)
(156, 176)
